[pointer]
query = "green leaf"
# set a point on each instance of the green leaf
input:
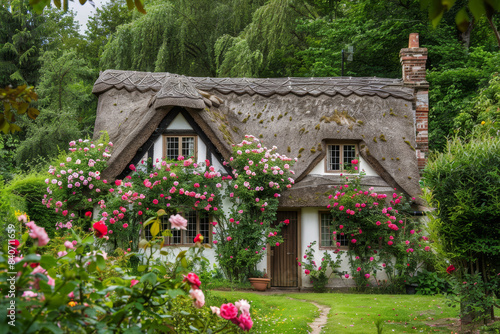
(181, 254)
(48, 262)
(149, 221)
(184, 262)
(51, 327)
(173, 293)
(155, 229)
(32, 258)
(76, 236)
(101, 264)
(141, 268)
(477, 8)
(149, 278)
(139, 306)
(88, 240)
(130, 4)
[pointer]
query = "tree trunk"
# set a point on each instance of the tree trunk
(494, 28)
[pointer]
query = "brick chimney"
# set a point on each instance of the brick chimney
(413, 61)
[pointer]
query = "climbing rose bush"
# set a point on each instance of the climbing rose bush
(380, 233)
(249, 224)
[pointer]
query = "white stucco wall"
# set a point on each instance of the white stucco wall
(179, 123)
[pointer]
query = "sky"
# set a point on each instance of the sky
(83, 12)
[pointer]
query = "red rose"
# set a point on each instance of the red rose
(88, 214)
(354, 161)
(100, 229)
(450, 269)
(287, 221)
(193, 279)
(198, 238)
(14, 242)
(118, 182)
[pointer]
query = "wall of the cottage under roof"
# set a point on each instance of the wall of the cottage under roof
(363, 165)
(178, 124)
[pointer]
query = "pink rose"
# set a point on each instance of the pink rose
(243, 306)
(133, 282)
(178, 222)
(245, 322)
(307, 271)
(69, 245)
(193, 279)
(199, 298)
(38, 233)
(228, 311)
(346, 275)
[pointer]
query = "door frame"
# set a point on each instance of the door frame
(299, 243)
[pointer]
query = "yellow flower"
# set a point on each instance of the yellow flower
(483, 122)
(72, 303)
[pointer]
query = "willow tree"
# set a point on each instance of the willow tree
(177, 36)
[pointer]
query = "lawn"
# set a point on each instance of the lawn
(355, 313)
(270, 313)
(350, 313)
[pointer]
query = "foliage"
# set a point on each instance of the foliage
(477, 8)
(473, 293)
(486, 108)
(318, 275)
(16, 101)
(82, 291)
(31, 189)
(430, 283)
(40, 5)
(381, 234)
(463, 186)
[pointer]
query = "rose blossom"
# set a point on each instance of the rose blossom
(199, 298)
(228, 311)
(178, 222)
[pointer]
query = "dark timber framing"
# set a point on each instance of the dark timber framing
(148, 146)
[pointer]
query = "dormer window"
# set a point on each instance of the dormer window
(339, 156)
(174, 146)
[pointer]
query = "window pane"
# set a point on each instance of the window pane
(172, 148)
(190, 233)
(342, 238)
(349, 154)
(333, 157)
(326, 235)
(187, 146)
(205, 229)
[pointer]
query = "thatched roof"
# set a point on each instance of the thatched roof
(298, 115)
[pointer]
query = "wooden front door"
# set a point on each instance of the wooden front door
(284, 271)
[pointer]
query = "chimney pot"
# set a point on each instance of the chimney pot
(413, 43)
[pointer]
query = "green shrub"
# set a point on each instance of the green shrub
(31, 188)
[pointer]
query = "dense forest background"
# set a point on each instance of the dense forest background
(252, 38)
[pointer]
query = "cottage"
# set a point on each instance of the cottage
(325, 122)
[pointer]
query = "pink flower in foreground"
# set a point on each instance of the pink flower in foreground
(228, 311)
(133, 282)
(199, 298)
(245, 322)
(215, 310)
(178, 222)
(346, 276)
